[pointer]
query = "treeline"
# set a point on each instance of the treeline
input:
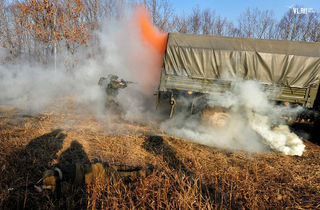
(252, 23)
(40, 28)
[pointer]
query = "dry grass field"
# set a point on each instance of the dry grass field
(186, 176)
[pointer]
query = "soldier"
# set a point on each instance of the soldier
(112, 86)
(62, 180)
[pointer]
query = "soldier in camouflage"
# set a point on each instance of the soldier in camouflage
(61, 180)
(111, 84)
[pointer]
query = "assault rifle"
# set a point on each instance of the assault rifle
(127, 82)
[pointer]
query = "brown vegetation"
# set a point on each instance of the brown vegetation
(187, 175)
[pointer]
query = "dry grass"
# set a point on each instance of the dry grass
(187, 175)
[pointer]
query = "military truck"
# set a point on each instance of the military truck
(194, 65)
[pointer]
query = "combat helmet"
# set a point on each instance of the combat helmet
(50, 178)
(113, 77)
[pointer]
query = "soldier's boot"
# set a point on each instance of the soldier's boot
(130, 173)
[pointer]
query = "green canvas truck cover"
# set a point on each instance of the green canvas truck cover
(191, 58)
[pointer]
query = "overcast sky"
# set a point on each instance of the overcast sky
(231, 9)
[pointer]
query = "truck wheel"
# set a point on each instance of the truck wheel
(215, 117)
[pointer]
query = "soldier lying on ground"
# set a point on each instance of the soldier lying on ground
(61, 180)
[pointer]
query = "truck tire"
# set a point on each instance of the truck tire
(215, 117)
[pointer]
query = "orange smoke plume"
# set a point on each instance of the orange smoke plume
(154, 44)
(150, 34)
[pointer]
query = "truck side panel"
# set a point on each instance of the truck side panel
(206, 64)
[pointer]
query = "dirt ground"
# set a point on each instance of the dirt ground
(187, 175)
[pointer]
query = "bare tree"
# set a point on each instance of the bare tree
(315, 29)
(219, 26)
(114, 8)
(195, 20)
(90, 13)
(1, 20)
(310, 27)
(6, 31)
(265, 22)
(292, 26)
(257, 24)
(234, 32)
(161, 13)
(180, 24)
(247, 22)
(208, 18)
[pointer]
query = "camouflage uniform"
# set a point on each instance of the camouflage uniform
(61, 181)
(111, 89)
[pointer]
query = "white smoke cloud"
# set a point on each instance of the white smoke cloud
(33, 87)
(253, 124)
